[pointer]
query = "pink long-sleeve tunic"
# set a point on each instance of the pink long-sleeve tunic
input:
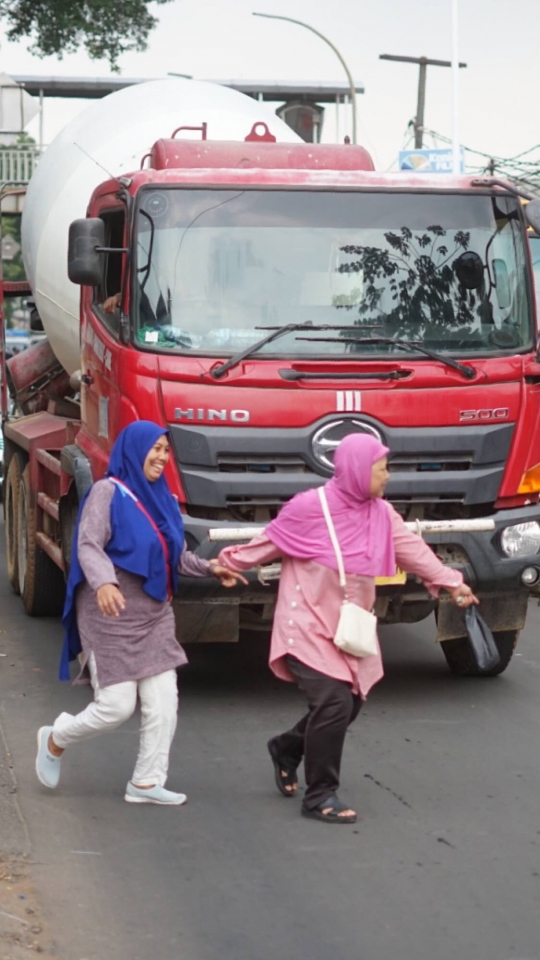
(310, 597)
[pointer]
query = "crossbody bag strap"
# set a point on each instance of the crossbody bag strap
(333, 538)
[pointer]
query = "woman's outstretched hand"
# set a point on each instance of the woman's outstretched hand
(110, 601)
(227, 578)
(463, 596)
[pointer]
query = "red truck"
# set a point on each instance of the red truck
(273, 298)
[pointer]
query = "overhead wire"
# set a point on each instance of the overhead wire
(523, 171)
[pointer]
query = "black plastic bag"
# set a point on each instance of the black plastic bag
(481, 641)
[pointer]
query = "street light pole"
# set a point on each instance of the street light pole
(272, 16)
(456, 156)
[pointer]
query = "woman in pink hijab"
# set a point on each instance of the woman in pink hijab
(373, 539)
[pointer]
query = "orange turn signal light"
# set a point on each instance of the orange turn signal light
(530, 481)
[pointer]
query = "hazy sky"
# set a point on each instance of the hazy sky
(499, 90)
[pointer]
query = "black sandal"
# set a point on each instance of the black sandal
(336, 807)
(290, 779)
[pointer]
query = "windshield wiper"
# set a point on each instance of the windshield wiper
(276, 332)
(410, 346)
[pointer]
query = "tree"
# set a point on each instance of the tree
(12, 269)
(23, 142)
(11, 222)
(11, 227)
(106, 28)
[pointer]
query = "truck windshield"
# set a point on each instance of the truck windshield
(215, 266)
(535, 258)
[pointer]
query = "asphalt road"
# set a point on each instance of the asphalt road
(444, 863)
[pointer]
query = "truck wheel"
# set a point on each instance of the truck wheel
(460, 660)
(40, 581)
(11, 511)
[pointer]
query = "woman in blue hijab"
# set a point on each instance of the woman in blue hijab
(128, 553)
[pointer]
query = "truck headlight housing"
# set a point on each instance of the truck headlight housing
(521, 540)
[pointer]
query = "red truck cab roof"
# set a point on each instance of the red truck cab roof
(302, 178)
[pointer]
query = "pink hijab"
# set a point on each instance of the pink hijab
(363, 524)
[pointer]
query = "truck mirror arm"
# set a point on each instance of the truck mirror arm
(509, 187)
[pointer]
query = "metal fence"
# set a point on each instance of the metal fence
(17, 164)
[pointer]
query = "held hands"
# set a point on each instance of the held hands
(109, 600)
(463, 596)
(227, 578)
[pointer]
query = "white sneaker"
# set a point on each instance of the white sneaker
(158, 795)
(47, 765)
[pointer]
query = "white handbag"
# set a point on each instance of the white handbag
(356, 632)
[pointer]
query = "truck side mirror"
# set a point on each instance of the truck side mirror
(469, 270)
(532, 215)
(85, 263)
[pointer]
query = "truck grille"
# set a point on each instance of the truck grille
(260, 464)
(444, 464)
(247, 473)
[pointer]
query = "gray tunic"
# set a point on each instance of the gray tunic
(141, 642)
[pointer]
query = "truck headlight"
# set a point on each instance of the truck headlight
(521, 540)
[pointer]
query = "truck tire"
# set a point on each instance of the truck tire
(41, 582)
(460, 660)
(11, 515)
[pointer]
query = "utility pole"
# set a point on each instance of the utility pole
(423, 63)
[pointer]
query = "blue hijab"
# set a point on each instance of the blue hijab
(134, 545)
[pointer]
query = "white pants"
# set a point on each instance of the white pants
(115, 704)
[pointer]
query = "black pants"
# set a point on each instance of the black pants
(318, 737)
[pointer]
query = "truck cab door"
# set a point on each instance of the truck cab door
(101, 347)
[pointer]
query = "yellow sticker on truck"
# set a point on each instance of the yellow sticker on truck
(399, 577)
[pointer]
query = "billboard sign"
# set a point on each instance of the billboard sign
(429, 161)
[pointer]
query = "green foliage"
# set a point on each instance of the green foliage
(106, 28)
(23, 142)
(12, 269)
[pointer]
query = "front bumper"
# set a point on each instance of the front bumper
(480, 557)
(495, 577)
